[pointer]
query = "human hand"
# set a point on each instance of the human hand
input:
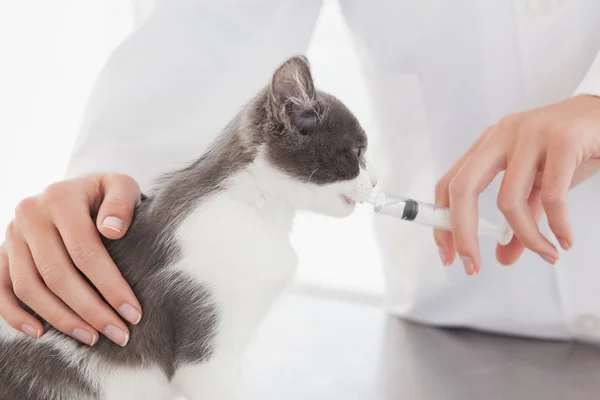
(544, 152)
(53, 235)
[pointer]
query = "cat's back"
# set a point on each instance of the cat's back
(177, 328)
(30, 369)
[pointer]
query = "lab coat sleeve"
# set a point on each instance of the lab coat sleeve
(590, 85)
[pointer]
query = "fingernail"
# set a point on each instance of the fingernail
(564, 244)
(550, 259)
(116, 335)
(31, 331)
(130, 313)
(444, 256)
(114, 223)
(469, 265)
(85, 336)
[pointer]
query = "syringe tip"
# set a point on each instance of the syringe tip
(372, 199)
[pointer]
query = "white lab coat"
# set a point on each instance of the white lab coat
(439, 73)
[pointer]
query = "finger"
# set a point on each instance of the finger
(10, 309)
(444, 239)
(121, 195)
(475, 175)
(512, 199)
(559, 168)
(30, 289)
(509, 254)
(61, 277)
(86, 250)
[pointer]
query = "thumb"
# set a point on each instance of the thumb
(121, 195)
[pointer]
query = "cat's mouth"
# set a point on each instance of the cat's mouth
(359, 195)
(348, 200)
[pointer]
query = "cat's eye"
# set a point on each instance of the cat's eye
(359, 151)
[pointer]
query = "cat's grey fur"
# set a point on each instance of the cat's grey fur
(317, 145)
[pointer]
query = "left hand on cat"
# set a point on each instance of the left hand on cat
(544, 152)
(51, 237)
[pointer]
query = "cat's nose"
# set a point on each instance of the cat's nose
(374, 182)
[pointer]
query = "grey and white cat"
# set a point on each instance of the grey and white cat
(207, 253)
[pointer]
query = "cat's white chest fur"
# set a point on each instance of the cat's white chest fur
(237, 244)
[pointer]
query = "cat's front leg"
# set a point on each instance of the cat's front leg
(211, 380)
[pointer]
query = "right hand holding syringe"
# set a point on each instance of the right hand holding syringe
(431, 215)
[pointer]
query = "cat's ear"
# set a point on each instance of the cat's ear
(293, 96)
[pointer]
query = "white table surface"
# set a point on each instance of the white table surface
(311, 348)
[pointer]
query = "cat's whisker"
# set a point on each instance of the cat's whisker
(311, 174)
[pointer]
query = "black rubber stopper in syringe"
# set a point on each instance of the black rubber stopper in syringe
(411, 209)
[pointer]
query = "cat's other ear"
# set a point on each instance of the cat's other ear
(293, 96)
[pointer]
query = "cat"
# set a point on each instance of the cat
(207, 253)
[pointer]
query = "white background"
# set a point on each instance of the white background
(51, 52)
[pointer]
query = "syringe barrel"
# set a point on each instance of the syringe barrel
(412, 210)
(431, 215)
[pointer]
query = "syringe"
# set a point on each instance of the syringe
(431, 215)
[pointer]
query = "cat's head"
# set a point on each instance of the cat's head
(315, 139)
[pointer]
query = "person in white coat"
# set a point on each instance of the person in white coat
(526, 73)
